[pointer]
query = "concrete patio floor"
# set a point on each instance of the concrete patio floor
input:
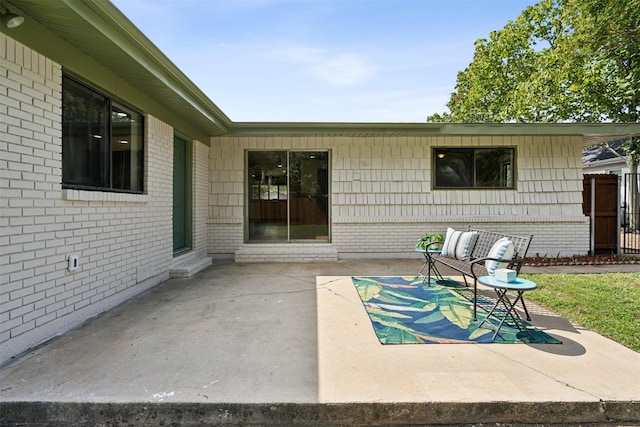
(290, 344)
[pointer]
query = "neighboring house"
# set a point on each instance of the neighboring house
(118, 173)
(600, 159)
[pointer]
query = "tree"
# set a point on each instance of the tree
(559, 61)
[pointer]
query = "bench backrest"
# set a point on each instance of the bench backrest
(486, 239)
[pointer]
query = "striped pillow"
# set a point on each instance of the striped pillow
(459, 244)
(501, 249)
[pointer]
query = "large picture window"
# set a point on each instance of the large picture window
(102, 141)
(474, 167)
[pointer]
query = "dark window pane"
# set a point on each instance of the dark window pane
(454, 168)
(493, 168)
(85, 137)
(126, 149)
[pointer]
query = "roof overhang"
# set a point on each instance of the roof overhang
(591, 133)
(93, 38)
(617, 162)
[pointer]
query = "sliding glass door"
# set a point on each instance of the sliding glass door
(288, 196)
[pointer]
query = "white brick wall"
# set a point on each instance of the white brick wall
(382, 197)
(124, 241)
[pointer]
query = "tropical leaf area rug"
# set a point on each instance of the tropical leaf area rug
(404, 310)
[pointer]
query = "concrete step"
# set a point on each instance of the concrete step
(279, 252)
(189, 268)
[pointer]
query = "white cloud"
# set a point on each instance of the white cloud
(343, 69)
(334, 68)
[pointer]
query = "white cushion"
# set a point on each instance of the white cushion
(459, 244)
(501, 249)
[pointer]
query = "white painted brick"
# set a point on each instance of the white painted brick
(47, 227)
(44, 319)
(10, 306)
(22, 328)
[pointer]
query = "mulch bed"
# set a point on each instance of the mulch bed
(539, 261)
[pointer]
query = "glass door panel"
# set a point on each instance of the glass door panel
(309, 195)
(268, 196)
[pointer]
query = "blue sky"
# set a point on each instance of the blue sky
(322, 60)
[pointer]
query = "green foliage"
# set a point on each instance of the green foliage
(608, 304)
(632, 149)
(427, 239)
(560, 60)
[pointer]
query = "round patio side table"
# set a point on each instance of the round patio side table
(519, 286)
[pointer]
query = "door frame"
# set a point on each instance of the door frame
(248, 195)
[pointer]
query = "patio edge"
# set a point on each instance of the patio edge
(316, 414)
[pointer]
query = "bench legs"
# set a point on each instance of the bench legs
(429, 265)
(475, 296)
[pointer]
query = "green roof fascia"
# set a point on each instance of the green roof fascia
(107, 19)
(331, 128)
(588, 131)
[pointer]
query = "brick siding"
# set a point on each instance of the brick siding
(124, 241)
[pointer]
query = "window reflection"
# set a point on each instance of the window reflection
(474, 167)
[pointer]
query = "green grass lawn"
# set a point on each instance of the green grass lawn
(608, 304)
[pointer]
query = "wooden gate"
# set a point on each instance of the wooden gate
(604, 215)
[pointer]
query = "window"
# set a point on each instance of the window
(102, 142)
(474, 167)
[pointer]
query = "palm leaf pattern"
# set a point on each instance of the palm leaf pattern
(404, 310)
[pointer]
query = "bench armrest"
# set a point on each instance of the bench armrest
(514, 263)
